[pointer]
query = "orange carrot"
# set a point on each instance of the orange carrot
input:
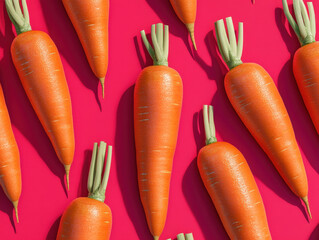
(10, 173)
(157, 107)
(305, 67)
(231, 186)
(186, 12)
(40, 69)
(255, 98)
(89, 218)
(90, 19)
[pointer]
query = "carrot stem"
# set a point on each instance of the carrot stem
(181, 236)
(209, 124)
(21, 21)
(304, 26)
(189, 236)
(159, 53)
(96, 186)
(230, 51)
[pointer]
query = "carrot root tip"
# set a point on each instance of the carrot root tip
(305, 200)
(156, 237)
(102, 80)
(67, 173)
(190, 27)
(15, 205)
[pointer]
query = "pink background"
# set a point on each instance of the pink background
(267, 42)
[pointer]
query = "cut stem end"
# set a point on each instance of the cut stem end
(15, 205)
(67, 174)
(305, 200)
(102, 81)
(191, 29)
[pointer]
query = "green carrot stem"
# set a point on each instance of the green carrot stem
(209, 125)
(96, 186)
(304, 26)
(21, 21)
(189, 236)
(230, 51)
(181, 236)
(160, 39)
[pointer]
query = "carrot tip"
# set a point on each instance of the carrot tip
(305, 200)
(15, 205)
(156, 237)
(190, 27)
(102, 80)
(67, 173)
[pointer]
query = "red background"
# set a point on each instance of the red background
(268, 41)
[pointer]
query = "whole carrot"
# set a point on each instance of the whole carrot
(40, 69)
(90, 19)
(255, 98)
(89, 218)
(305, 66)
(231, 186)
(158, 97)
(10, 173)
(186, 12)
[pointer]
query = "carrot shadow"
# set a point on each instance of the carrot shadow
(166, 13)
(64, 36)
(54, 229)
(287, 86)
(82, 189)
(315, 234)
(126, 163)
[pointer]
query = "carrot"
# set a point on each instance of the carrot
(89, 217)
(305, 67)
(157, 108)
(231, 186)
(10, 173)
(90, 19)
(40, 69)
(186, 12)
(255, 98)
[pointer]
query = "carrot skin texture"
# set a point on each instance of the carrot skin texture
(185, 10)
(40, 69)
(258, 103)
(9, 155)
(233, 190)
(90, 19)
(86, 218)
(158, 98)
(306, 72)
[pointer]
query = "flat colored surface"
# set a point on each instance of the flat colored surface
(267, 42)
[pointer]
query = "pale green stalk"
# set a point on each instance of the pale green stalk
(20, 20)
(209, 125)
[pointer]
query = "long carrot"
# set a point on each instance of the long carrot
(40, 69)
(90, 19)
(186, 12)
(305, 65)
(157, 107)
(231, 186)
(89, 218)
(255, 98)
(10, 173)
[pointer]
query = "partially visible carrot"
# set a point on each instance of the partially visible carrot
(90, 19)
(10, 173)
(255, 97)
(40, 69)
(158, 98)
(231, 186)
(89, 218)
(186, 12)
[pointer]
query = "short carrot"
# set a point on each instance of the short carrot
(305, 65)
(186, 12)
(40, 69)
(10, 173)
(89, 218)
(158, 97)
(231, 186)
(256, 99)
(90, 19)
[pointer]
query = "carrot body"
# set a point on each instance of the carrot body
(39, 66)
(233, 190)
(256, 100)
(306, 72)
(90, 19)
(157, 107)
(10, 173)
(84, 212)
